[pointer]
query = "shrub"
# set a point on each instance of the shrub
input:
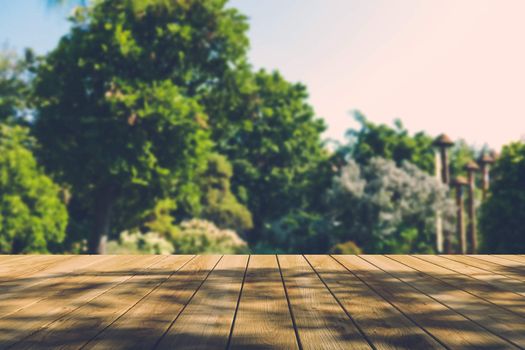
(200, 236)
(347, 247)
(135, 242)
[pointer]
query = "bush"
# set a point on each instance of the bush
(137, 243)
(219, 204)
(389, 209)
(347, 247)
(200, 236)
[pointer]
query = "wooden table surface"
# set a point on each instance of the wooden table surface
(262, 301)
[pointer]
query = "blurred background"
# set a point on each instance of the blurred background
(214, 126)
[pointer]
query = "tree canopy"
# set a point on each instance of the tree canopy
(162, 137)
(395, 143)
(33, 217)
(119, 96)
(504, 210)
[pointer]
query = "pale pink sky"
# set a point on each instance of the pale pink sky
(453, 66)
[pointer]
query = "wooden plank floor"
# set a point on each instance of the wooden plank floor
(262, 302)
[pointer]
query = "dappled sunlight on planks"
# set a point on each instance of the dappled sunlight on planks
(262, 302)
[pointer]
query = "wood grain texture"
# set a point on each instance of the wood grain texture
(511, 301)
(17, 268)
(143, 326)
(49, 284)
(197, 327)
(494, 319)
(57, 321)
(517, 258)
(263, 320)
(512, 263)
(262, 302)
(321, 322)
(384, 325)
(446, 325)
(483, 271)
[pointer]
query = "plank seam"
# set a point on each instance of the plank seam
(137, 302)
(466, 291)
(476, 267)
(393, 305)
(445, 305)
(479, 268)
(506, 258)
(73, 310)
(294, 324)
(74, 273)
(41, 269)
(238, 302)
(514, 268)
(342, 307)
(185, 305)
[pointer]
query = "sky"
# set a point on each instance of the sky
(449, 66)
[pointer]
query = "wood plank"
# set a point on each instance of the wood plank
(207, 320)
(70, 296)
(450, 328)
(321, 322)
(509, 300)
(143, 325)
(27, 290)
(29, 265)
(263, 320)
(508, 264)
(513, 257)
(384, 325)
(484, 271)
(7, 258)
(494, 319)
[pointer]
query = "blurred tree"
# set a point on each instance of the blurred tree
(14, 88)
(297, 232)
(504, 210)
(32, 216)
(273, 140)
(384, 208)
(219, 204)
(460, 154)
(118, 103)
(380, 140)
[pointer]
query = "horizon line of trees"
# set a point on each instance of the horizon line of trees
(147, 127)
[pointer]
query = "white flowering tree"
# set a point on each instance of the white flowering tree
(389, 209)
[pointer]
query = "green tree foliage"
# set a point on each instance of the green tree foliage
(460, 154)
(32, 215)
(380, 140)
(503, 212)
(219, 204)
(273, 141)
(297, 232)
(118, 103)
(384, 208)
(13, 87)
(128, 66)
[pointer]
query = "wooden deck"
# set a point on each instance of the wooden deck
(262, 301)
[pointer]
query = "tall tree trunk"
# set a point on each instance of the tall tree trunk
(104, 201)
